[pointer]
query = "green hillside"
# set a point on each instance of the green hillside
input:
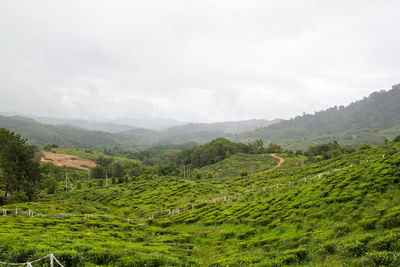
(342, 211)
(41, 134)
(239, 163)
(369, 120)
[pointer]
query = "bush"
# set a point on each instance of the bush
(70, 258)
(100, 182)
(368, 224)
(242, 173)
(390, 241)
(292, 256)
(341, 229)
(381, 258)
(353, 248)
(391, 220)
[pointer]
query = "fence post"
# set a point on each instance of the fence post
(28, 264)
(51, 260)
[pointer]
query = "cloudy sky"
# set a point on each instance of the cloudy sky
(194, 60)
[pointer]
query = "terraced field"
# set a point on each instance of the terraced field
(240, 163)
(343, 211)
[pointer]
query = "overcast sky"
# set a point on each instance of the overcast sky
(194, 60)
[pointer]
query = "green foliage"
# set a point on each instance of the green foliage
(348, 216)
(210, 153)
(239, 164)
(19, 172)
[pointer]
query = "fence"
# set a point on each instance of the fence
(190, 206)
(52, 261)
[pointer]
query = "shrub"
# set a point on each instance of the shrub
(386, 242)
(368, 223)
(70, 258)
(381, 258)
(100, 182)
(391, 220)
(353, 248)
(246, 233)
(341, 229)
(292, 256)
(328, 248)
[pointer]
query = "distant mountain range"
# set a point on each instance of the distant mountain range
(369, 120)
(114, 126)
(85, 134)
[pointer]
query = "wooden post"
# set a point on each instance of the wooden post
(51, 260)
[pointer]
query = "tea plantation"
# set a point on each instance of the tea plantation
(339, 212)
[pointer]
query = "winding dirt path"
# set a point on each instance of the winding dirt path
(281, 161)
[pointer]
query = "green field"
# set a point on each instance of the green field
(349, 215)
(232, 166)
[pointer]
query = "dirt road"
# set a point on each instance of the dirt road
(281, 161)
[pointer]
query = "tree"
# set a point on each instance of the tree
(117, 170)
(98, 172)
(19, 172)
(273, 148)
(256, 146)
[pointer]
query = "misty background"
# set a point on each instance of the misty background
(202, 61)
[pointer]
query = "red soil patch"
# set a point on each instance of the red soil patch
(67, 161)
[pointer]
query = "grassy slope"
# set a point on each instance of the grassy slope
(240, 162)
(350, 216)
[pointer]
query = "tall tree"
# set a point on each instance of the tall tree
(19, 172)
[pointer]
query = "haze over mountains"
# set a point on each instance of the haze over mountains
(371, 119)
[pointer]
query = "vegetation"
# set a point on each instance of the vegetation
(370, 120)
(19, 172)
(345, 213)
(234, 165)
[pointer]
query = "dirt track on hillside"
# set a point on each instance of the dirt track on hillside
(281, 161)
(67, 161)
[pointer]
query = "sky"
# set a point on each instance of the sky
(197, 61)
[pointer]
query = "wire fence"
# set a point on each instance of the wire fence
(54, 262)
(51, 259)
(190, 206)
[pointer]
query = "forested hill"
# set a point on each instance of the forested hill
(63, 135)
(371, 119)
(72, 136)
